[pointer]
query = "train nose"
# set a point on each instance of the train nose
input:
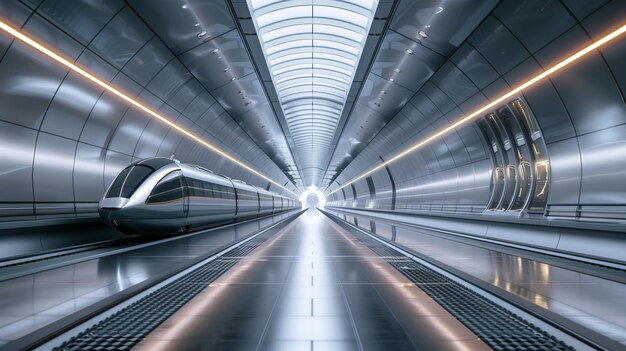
(112, 203)
(109, 209)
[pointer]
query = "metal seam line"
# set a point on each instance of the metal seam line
(607, 38)
(58, 58)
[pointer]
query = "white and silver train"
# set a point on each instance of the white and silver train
(163, 196)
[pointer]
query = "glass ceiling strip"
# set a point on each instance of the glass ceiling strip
(312, 48)
(320, 63)
(323, 29)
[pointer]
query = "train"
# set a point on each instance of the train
(162, 196)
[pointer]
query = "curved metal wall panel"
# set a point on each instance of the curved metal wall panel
(603, 157)
(52, 174)
(581, 110)
(63, 139)
(73, 100)
(88, 172)
(16, 169)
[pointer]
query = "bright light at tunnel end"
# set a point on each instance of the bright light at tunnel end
(534, 80)
(63, 61)
(313, 190)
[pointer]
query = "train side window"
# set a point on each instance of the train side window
(224, 192)
(198, 188)
(210, 190)
(170, 188)
(249, 195)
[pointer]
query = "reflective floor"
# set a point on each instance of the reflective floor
(312, 286)
(595, 303)
(32, 301)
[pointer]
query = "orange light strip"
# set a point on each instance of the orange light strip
(607, 38)
(58, 58)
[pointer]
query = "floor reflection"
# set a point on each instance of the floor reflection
(596, 303)
(314, 287)
(30, 302)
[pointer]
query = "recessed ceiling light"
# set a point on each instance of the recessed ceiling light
(185, 6)
(197, 24)
(233, 78)
(397, 70)
(215, 51)
(409, 51)
(391, 79)
(201, 34)
(423, 34)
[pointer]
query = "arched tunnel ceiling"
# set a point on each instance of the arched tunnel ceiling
(407, 43)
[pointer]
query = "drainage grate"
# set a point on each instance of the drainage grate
(126, 328)
(493, 324)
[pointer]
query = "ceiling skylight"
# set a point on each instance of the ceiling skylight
(312, 49)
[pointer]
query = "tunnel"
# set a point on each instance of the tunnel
(312, 175)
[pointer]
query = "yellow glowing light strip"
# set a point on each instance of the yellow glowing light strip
(24, 38)
(495, 102)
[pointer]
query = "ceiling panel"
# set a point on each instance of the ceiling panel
(183, 25)
(218, 61)
(84, 19)
(122, 37)
(440, 25)
(496, 43)
(241, 95)
(405, 61)
(383, 96)
(148, 61)
(535, 23)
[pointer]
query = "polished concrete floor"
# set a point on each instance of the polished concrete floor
(595, 303)
(312, 286)
(33, 301)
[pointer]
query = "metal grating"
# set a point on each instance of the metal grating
(126, 328)
(496, 326)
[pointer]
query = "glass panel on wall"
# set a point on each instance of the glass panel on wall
(523, 157)
(538, 150)
(521, 169)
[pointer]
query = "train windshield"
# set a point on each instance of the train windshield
(129, 180)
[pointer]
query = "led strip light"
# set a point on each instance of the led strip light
(56, 57)
(607, 38)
